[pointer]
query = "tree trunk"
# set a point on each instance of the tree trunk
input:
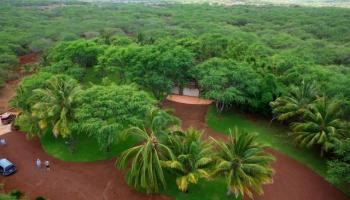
(228, 193)
(219, 106)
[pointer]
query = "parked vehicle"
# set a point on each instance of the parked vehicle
(7, 118)
(6, 167)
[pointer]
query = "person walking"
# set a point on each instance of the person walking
(38, 163)
(47, 165)
(2, 142)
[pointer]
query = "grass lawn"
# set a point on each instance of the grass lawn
(205, 190)
(274, 135)
(85, 149)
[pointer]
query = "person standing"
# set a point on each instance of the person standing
(38, 163)
(47, 165)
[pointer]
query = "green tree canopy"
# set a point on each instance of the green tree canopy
(106, 110)
(339, 166)
(81, 52)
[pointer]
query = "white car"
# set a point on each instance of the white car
(6, 167)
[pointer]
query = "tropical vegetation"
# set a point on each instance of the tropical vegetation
(106, 68)
(245, 164)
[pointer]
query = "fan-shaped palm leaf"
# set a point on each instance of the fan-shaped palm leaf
(193, 157)
(244, 163)
(321, 125)
(147, 159)
(295, 103)
(55, 103)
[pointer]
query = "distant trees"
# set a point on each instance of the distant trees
(8, 62)
(81, 52)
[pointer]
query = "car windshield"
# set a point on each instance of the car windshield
(8, 168)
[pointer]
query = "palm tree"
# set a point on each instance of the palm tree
(321, 125)
(295, 103)
(244, 163)
(54, 107)
(147, 161)
(194, 157)
(160, 121)
(28, 124)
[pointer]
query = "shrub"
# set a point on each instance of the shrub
(16, 193)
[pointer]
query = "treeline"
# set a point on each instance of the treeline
(315, 36)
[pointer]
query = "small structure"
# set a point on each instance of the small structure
(190, 89)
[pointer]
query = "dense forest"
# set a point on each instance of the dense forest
(291, 64)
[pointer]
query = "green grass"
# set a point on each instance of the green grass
(205, 190)
(86, 149)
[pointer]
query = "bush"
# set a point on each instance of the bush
(40, 198)
(16, 193)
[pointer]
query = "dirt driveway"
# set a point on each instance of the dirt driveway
(66, 180)
(292, 181)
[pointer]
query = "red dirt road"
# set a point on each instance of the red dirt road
(65, 180)
(292, 181)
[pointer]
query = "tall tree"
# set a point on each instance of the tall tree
(229, 83)
(54, 107)
(322, 125)
(147, 160)
(81, 52)
(244, 163)
(295, 103)
(194, 157)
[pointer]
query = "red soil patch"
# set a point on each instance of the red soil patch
(29, 58)
(189, 100)
(66, 180)
(292, 181)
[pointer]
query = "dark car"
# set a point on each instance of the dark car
(6, 167)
